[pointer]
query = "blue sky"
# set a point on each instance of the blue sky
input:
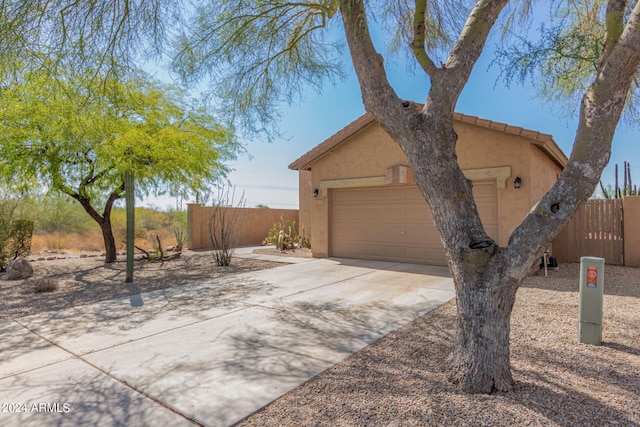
(265, 179)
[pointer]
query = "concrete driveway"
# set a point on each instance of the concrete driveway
(207, 353)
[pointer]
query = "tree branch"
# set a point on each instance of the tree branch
(377, 94)
(115, 195)
(614, 26)
(465, 53)
(600, 112)
(417, 46)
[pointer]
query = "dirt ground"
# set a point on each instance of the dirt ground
(83, 281)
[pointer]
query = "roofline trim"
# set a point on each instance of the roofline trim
(543, 141)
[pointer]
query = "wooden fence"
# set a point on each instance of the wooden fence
(598, 229)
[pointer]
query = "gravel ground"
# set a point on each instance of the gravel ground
(297, 253)
(83, 281)
(400, 379)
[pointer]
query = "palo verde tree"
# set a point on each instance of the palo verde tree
(78, 135)
(257, 54)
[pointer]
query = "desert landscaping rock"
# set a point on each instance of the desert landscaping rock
(18, 269)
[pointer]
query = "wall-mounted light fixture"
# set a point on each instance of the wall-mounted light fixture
(517, 182)
(315, 192)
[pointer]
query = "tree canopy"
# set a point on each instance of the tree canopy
(78, 134)
(566, 52)
(256, 55)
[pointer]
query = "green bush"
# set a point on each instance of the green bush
(15, 240)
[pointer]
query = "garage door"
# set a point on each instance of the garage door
(394, 223)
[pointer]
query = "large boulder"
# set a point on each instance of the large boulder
(18, 269)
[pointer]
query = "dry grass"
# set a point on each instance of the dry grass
(72, 243)
(400, 380)
(92, 242)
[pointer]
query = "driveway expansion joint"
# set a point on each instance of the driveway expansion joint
(108, 375)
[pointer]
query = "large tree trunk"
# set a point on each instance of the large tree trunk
(484, 280)
(110, 250)
(480, 359)
(486, 276)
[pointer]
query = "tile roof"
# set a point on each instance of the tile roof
(543, 141)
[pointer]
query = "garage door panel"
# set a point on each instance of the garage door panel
(377, 213)
(485, 194)
(394, 223)
(357, 233)
(418, 214)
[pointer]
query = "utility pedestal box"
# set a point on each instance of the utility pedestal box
(591, 296)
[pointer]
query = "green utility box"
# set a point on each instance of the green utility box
(591, 296)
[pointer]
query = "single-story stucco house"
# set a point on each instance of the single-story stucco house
(358, 198)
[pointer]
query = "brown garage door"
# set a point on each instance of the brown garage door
(394, 224)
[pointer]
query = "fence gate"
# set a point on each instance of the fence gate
(597, 230)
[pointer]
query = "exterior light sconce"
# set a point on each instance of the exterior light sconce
(315, 192)
(517, 182)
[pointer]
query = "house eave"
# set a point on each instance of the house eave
(542, 141)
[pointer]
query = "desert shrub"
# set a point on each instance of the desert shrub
(182, 237)
(290, 237)
(15, 240)
(225, 225)
(177, 218)
(148, 225)
(305, 242)
(151, 219)
(44, 284)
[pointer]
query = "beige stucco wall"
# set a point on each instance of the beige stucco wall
(256, 224)
(305, 188)
(544, 173)
(371, 151)
(482, 148)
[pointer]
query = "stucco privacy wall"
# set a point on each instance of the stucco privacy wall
(256, 223)
(364, 156)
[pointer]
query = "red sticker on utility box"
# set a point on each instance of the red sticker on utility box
(592, 276)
